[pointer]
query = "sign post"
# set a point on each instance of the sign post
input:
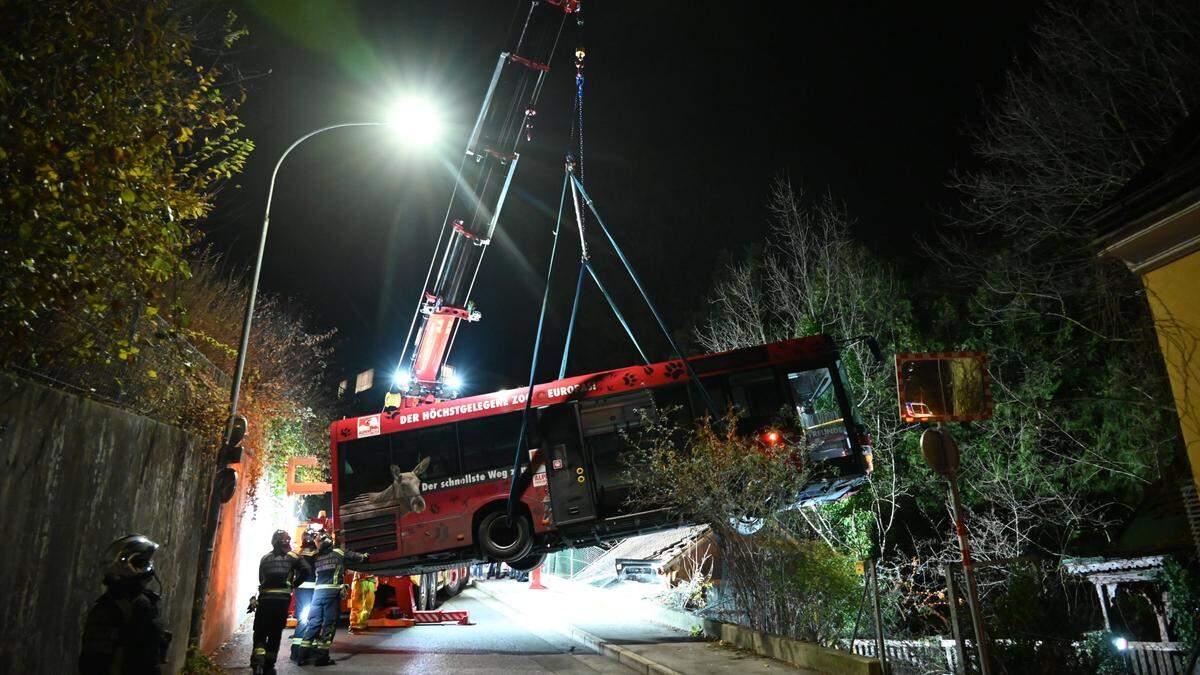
(938, 388)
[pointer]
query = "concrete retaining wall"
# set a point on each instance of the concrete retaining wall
(76, 475)
(803, 655)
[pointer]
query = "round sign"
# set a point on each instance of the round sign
(940, 451)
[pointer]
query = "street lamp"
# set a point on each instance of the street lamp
(414, 120)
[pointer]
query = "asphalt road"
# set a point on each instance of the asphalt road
(500, 641)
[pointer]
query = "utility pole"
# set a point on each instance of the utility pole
(941, 453)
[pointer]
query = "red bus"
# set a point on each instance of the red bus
(578, 494)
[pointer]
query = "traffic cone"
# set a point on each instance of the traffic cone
(535, 583)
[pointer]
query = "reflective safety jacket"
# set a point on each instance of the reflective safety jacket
(277, 572)
(330, 566)
(306, 576)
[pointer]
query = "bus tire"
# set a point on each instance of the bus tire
(502, 539)
(427, 592)
(528, 562)
(458, 581)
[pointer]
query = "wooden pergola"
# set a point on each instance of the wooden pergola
(1107, 574)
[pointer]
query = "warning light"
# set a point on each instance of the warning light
(771, 437)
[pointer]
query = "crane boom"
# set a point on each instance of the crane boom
(505, 119)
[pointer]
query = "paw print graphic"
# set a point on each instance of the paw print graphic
(675, 370)
(629, 379)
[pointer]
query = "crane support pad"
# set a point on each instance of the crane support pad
(436, 616)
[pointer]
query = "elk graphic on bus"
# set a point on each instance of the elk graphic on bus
(404, 493)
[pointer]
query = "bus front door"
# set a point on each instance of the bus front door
(569, 479)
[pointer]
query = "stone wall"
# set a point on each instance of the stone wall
(76, 475)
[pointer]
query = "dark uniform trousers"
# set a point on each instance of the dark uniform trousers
(322, 622)
(329, 569)
(276, 572)
(269, 621)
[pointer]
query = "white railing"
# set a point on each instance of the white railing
(934, 656)
(938, 656)
(1156, 658)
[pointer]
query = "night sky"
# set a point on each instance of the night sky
(691, 110)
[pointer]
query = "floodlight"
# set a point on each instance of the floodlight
(1120, 643)
(454, 382)
(415, 121)
(401, 380)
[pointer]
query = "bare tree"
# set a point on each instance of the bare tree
(813, 278)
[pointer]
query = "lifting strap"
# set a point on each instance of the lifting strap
(712, 406)
(516, 486)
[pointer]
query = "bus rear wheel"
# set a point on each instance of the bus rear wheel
(503, 538)
(528, 562)
(425, 593)
(457, 581)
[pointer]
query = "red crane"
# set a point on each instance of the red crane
(487, 169)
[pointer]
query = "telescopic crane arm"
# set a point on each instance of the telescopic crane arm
(505, 119)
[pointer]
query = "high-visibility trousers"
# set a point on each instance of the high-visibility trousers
(362, 600)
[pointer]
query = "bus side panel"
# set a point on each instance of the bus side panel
(446, 522)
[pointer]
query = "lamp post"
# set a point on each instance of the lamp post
(222, 481)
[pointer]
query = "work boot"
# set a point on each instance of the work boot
(324, 660)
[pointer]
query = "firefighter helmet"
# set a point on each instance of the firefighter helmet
(129, 558)
(281, 540)
(324, 540)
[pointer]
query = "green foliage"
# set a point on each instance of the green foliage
(1184, 607)
(113, 142)
(199, 663)
(777, 582)
(1097, 654)
(302, 434)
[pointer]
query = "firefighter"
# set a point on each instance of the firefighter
(123, 632)
(330, 567)
(362, 600)
(277, 571)
(304, 589)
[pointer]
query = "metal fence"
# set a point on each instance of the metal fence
(146, 378)
(937, 656)
(569, 562)
(913, 657)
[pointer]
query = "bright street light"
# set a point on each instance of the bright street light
(415, 121)
(401, 380)
(410, 118)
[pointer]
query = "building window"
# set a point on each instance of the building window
(364, 381)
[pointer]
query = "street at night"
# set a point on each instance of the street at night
(574, 336)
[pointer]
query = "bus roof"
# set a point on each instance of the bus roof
(580, 387)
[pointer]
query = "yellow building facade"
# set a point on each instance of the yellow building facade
(1154, 228)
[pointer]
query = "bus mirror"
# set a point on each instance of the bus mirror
(943, 387)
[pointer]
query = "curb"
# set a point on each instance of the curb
(622, 655)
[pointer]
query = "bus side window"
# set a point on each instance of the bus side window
(488, 442)
(715, 387)
(756, 393)
(673, 401)
(439, 444)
